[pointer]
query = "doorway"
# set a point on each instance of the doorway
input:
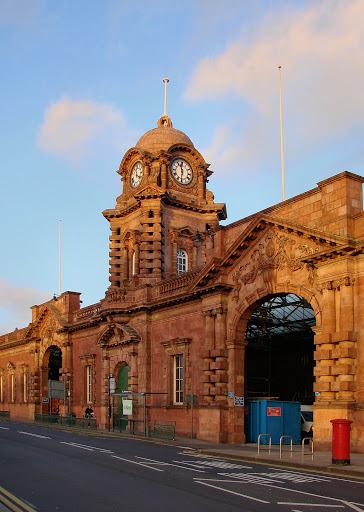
(279, 355)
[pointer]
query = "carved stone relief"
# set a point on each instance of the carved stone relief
(274, 252)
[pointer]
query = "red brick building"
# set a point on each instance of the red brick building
(198, 308)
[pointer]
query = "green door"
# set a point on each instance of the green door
(123, 385)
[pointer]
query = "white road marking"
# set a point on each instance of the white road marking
(351, 505)
(34, 435)
(139, 463)
(328, 478)
(308, 504)
(77, 446)
(230, 492)
(5, 428)
(293, 477)
(216, 464)
(86, 446)
(151, 461)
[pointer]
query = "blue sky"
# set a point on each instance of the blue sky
(82, 81)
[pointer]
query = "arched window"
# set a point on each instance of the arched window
(182, 261)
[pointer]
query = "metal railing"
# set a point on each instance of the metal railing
(270, 443)
(65, 421)
(280, 446)
(303, 448)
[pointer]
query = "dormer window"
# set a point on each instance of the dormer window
(182, 261)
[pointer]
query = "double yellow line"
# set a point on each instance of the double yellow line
(12, 502)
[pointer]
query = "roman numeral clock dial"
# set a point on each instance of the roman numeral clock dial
(181, 171)
(136, 175)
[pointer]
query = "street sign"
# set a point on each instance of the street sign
(45, 400)
(112, 384)
(231, 394)
(56, 389)
(191, 399)
(239, 401)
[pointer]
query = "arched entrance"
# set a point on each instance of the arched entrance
(279, 353)
(122, 385)
(52, 364)
(279, 366)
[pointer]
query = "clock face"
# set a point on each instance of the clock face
(181, 171)
(136, 175)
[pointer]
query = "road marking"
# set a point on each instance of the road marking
(139, 463)
(230, 492)
(87, 447)
(300, 492)
(14, 499)
(215, 464)
(5, 428)
(34, 435)
(328, 478)
(291, 476)
(169, 464)
(308, 504)
(351, 505)
(77, 446)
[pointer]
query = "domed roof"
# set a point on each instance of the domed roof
(162, 137)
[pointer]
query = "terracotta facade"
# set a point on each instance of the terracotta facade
(182, 291)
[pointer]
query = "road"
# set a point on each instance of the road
(49, 469)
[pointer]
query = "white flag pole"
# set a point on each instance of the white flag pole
(60, 241)
(282, 149)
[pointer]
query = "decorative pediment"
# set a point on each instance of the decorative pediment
(176, 345)
(118, 334)
(150, 190)
(288, 245)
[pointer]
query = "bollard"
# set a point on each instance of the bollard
(341, 442)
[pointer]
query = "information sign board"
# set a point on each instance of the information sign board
(274, 411)
(239, 401)
(127, 407)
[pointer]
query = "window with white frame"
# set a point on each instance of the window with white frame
(178, 379)
(25, 390)
(182, 261)
(133, 267)
(12, 388)
(89, 384)
(1, 388)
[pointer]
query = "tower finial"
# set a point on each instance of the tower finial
(165, 80)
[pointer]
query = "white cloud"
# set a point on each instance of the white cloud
(78, 129)
(15, 303)
(321, 50)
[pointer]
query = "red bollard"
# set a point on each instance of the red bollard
(341, 442)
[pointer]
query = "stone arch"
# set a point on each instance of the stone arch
(246, 308)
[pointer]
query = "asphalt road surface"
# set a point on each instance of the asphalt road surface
(47, 469)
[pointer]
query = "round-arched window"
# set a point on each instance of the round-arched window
(182, 261)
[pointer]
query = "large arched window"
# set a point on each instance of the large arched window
(182, 261)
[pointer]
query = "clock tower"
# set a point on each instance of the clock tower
(165, 216)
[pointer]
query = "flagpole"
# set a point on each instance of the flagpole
(282, 149)
(60, 241)
(165, 80)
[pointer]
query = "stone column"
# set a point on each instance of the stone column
(209, 330)
(125, 268)
(164, 174)
(220, 328)
(136, 250)
(236, 366)
(323, 355)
